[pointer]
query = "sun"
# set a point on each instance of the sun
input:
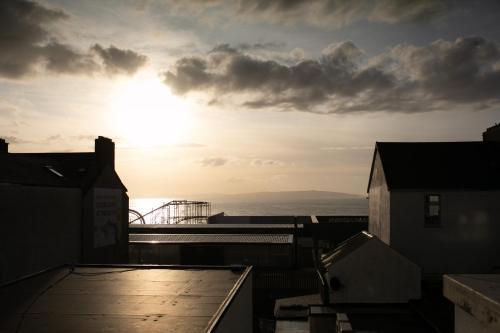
(146, 114)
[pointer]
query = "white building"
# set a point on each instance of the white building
(363, 269)
(438, 203)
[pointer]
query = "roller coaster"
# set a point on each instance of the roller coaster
(173, 212)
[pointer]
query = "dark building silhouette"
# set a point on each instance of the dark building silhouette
(59, 208)
(492, 133)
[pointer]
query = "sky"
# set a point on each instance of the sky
(219, 96)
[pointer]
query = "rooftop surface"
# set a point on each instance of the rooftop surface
(476, 294)
(441, 165)
(212, 238)
(118, 299)
(345, 248)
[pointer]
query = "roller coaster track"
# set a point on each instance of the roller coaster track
(174, 212)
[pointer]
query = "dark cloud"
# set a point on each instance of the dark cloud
(26, 45)
(322, 12)
(465, 70)
(260, 46)
(62, 58)
(118, 61)
(405, 79)
(213, 161)
(403, 11)
(302, 86)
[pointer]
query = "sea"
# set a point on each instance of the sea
(318, 207)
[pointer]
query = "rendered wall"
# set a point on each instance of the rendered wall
(465, 323)
(40, 228)
(239, 316)
(467, 240)
(379, 203)
(107, 252)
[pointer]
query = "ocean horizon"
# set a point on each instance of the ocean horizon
(255, 207)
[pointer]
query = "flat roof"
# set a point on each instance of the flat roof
(120, 299)
(476, 294)
(212, 238)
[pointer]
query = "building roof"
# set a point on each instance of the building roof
(215, 228)
(345, 248)
(80, 169)
(440, 165)
(121, 299)
(212, 238)
(46, 169)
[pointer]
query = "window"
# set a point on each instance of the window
(432, 210)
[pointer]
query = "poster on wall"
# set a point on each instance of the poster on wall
(107, 216)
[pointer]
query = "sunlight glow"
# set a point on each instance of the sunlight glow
(146, 114)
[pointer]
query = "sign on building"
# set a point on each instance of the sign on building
(107, 216)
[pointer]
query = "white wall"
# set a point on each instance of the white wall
(379, 203)
(468, 240)
(40, 228)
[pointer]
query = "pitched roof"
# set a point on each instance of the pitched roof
(345, 248)
(440, 165)
(46, 169)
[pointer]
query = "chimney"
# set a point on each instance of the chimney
(105, 152)
(492, 133)
(4, 146)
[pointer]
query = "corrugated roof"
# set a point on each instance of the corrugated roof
(441, 165)
(345, 248)
(212, 238)
(215, 228)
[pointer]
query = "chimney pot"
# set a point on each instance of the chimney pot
(105, 152)
(4, 146)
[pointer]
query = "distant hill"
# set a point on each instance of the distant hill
(284, 196)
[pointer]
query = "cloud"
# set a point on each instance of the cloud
(84, 137)
(118, 61)
(27, 45)
(407, 78)
(344, 12)
(331, 13)
(62, 58)
(14, 140)
(56, 137)
(213, 161)
(390, 11)
(346, 148)
(261, 162)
